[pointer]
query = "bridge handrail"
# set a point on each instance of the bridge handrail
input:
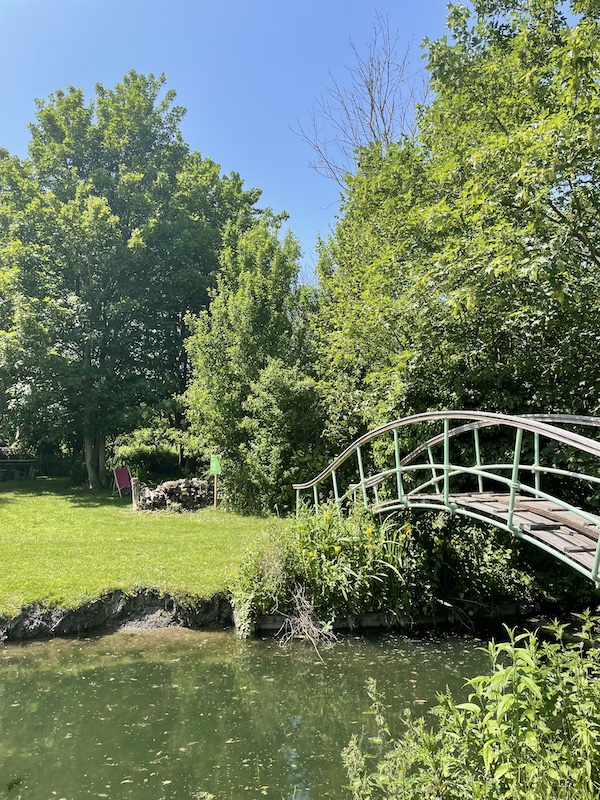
(566, 419)
(532, 423)
(443, 471)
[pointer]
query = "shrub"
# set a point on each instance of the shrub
(411, 564)
(146, 452)
(529, 731)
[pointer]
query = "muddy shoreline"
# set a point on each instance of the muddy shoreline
(140, 608)
(143, 609)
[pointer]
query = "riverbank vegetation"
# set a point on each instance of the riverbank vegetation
(413, 566)
(529, 729)
(62, 547)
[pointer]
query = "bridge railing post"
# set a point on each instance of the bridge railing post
(336, 494)
(536, 461)
(361, 472)
(446, 462)
(514, 482)
(478, 458)
(399, 482)
(596, 564)
(434, 474)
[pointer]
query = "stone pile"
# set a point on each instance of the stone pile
(187, 494)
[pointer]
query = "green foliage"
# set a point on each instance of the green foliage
(530, 730)
(463, 270)
(283, 425)
(262, 581)
(348, 564)
(154, 449)
(109, 234)
(414, 566)
(145, 453)
(251, 396)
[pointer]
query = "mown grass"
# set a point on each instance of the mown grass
(62, 546)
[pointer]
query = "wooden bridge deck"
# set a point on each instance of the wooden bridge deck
(539, 519)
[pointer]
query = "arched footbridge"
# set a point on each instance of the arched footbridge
(538, 469)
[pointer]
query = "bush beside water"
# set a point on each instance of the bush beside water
(412, 565)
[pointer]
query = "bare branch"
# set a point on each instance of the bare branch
(377, 106)
(302, 623)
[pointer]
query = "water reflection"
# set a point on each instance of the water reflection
(175, 713)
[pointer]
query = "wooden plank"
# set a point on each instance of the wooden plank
(571, 519)
(534, 521)
(564, 542)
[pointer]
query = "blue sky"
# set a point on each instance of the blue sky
(247, 73)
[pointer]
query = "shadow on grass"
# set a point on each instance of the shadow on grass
(79, 496)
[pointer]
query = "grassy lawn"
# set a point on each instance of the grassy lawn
(63, 546)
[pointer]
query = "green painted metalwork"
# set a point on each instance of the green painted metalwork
(361, 472)
(514, 483)
(336, 494)
(446, 463)
(478, 457)
(536, 461)
(432, 465)
(596, 565)
(426, 493)
(399, 484)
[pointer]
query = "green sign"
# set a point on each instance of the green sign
(215, 465)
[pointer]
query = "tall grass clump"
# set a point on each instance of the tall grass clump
(339, 564)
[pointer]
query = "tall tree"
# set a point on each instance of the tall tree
(464, 267)
(109, 234)
(252, 397)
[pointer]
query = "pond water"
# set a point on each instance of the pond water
(176, 713)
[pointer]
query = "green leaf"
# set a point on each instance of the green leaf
(504, 770)
(469, 707)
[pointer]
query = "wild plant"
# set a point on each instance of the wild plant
(530, 730)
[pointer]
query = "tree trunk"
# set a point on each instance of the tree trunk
(90, 440)
(101, 447)
(91, 454)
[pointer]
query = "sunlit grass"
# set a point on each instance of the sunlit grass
(63, 546)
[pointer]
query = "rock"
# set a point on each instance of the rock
(187, 494)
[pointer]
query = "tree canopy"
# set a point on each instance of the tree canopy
(252, 396)
(463, 270)
(110, 232)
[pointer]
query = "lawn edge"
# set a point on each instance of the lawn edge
(138, 608)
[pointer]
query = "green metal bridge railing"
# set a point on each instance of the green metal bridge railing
(388, 490)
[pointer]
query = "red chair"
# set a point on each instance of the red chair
(122, 479)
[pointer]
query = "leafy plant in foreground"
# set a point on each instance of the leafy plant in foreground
(530, 729)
